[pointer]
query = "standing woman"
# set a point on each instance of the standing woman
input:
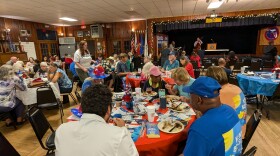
(82, 61)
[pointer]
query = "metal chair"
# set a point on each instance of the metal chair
(6, 148)
(237, 67)
(267, 65)
(40, 126)
(47, 99)
(71, 93)
(6, 115)
(251, 126)
(251, 152)
(255, 66)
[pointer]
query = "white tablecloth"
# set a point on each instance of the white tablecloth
(29, 96)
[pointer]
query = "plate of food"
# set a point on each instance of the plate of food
(170, 126)
(179, 107)
(151, 93)
(172, 98)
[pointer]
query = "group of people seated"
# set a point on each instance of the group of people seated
(220, 106)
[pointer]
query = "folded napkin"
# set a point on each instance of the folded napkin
(136, 133)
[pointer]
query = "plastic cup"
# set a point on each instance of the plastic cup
(151, 113)
(138, 92)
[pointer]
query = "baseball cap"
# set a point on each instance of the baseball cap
(205, 87)
(155, 71)
(172, 53)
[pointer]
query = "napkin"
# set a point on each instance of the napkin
(136, 133)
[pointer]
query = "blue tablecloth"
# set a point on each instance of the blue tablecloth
(253, 85)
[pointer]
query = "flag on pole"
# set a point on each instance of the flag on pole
(132, 43)
(142, 44)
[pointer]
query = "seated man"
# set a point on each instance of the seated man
(12, 60)
(218, 131)
(171, 63)
(92, 135)
(222, 63)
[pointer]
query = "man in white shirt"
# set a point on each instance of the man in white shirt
(92, 136)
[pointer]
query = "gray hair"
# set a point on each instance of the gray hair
(6, 72)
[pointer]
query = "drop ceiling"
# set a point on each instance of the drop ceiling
(92, 11)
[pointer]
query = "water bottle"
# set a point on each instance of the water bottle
(162, 98)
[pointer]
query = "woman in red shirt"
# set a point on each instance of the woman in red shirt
(184, 60)
(196, 58)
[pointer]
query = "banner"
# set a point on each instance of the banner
(270, 34)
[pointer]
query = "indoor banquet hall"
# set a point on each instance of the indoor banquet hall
(139, 77)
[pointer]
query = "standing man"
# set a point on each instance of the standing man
(218, 130)
(197, 46)
(269, 52)
(164, 54)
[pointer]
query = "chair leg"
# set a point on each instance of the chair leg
(72, 96)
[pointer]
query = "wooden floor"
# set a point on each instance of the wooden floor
(266, 137)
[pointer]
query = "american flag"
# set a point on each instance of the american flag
(132, 44)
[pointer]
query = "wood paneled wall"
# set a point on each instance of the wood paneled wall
(16, 25)
(120, 31)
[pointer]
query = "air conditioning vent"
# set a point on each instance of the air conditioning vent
(67, 40)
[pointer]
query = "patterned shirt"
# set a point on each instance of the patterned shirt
(63, 81)
(8, 91)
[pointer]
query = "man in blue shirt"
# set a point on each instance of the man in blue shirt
(171, 63)
(218, 131)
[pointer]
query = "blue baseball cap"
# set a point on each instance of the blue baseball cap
(205, 87)
(172, 53)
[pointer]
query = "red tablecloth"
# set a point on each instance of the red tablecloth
(166, 145)
(134, 82)
(168, 80)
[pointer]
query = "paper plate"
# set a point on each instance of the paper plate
(153, 93)
(168, 128)
(184, 104)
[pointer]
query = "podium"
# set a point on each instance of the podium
(211, 46)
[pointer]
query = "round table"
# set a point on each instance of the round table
(166, 145)
(133, 80)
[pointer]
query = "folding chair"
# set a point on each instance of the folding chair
(251, 152)
(251, 126)
(6, 148)
(41, 126)
(47, 99)
(71, 93)
(267, 65)
(6, 115)
(237, 67)
(255, 66)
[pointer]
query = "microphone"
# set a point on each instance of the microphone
(212, 40)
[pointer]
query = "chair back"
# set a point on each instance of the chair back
(268, 65)
(251, 126)
(255, 66)
(247, 62)
(39, 124)
(238, 66)
(251, 152)
(6, 148)
(45, 95)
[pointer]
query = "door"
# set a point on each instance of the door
(48, 49)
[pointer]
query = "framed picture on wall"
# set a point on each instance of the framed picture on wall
(87, 33)
(80, 34)
(23, 33)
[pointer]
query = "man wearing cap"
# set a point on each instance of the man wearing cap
(218, 130)
(171, 63)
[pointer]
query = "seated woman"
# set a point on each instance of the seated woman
(58, 62)
(187, 65)
(30, 63)
(8, 100)
(43, 71)
(230, 94)
(58, 75)
(155, 82)
(182, 79)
